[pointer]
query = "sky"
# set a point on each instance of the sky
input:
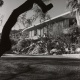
(10, 5)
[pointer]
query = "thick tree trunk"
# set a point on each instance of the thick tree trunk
(5, 41)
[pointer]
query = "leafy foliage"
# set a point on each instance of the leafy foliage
(74, 4)
(38, 14)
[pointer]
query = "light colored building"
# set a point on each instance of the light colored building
(53, 26)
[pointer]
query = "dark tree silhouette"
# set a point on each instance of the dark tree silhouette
(37, 14)
(1, 3)
(5, 44)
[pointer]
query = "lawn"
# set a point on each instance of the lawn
(37, 69)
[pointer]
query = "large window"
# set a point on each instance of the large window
(38, 32)
(42, 32)
(45, 29)
(35, 32)
(72, 21)
(66, 23)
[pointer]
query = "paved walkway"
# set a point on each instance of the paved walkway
(75, 56)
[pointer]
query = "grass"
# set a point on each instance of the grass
(39, 70)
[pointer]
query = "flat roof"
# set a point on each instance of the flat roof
(57, 18)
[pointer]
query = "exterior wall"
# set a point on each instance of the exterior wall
(52, 29)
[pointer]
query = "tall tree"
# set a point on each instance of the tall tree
(75, 5)
(38, 14)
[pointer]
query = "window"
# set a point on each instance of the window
(35, 32)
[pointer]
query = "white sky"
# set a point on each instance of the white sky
(10, 5)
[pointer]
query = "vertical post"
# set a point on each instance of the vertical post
(40, 32)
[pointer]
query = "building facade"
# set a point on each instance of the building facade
(51, 27)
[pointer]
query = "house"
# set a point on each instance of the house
(15, 34)
(54, 26)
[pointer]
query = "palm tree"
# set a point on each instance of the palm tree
(75, 5)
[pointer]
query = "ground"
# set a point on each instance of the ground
(39, 69)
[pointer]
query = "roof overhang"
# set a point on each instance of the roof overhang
(64, 16)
